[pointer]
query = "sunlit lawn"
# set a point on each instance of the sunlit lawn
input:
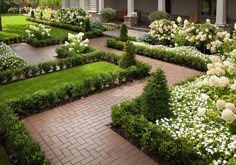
(15, 25)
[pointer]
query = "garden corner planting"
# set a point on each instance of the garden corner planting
(96, 71)
(9, 59)
(193, 123)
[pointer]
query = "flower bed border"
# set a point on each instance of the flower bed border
(91, 34)
(17, 137)
(168, 56)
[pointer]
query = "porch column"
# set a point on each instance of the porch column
(130, 8)
(101, 5)
(221, 12)
(162, 5)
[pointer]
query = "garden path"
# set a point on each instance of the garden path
(34, 55)
(76, 133)
(131, 32)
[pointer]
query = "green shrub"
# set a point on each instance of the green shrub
(147, 38)
(128, 58)
(13, 10)
(108, 13)
(18, 139)
(87, 25)
(156, 97)
(157, 15)
(112, 43)
(123, 32)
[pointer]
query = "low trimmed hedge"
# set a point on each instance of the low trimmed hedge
(17, 140)
(91, 34)
(13, 40)
(164, 55)
(30, 71)
(46, 42)
(62, 52)
(64, 93)
(128, 117)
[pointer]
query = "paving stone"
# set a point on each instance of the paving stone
(82, 136)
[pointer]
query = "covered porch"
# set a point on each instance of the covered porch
(135, 12)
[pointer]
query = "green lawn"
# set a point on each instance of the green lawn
(3, 157)
(15, 25)
(45, 82)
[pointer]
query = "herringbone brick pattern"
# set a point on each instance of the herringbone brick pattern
(76, 133)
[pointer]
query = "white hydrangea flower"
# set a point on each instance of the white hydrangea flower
(201, 111)
(220, 104)
(228, 115)
(230, 106)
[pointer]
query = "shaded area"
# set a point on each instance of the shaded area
(3, 157)
(52, 80)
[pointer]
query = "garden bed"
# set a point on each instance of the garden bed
(185, 56)
(200, 128)
(3, 157)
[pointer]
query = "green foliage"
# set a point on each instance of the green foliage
(194, 62)
(87, 25)
(156, 97)
(152, 137)
(128, 58)
(108, 13)
(123, 33)
(232, 127)
(18, 140)
(157, 15)
(147, 38)
(49, 3)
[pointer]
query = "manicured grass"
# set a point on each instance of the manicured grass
(49, 81)
(3, 157)
(15, 25)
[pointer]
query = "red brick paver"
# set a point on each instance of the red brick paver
(76, 133)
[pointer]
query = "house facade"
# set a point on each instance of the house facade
(222, 12)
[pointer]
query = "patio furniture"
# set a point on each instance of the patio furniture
(121, 14)
(193, 18)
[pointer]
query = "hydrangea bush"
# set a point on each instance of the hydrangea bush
(205, 111)
(39, 32)
(76, 43)
(205, 36)
(75, 16)
(9, 59)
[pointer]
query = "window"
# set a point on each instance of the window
(87, 4)
(78, 3)
(67, 3)
(208, 7)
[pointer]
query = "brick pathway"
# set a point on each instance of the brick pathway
(76, 133)
(34, 55)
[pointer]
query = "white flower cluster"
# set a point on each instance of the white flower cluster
(228, 110)
(219, 71)
(9, 59)
(181, 51)
(202, 36)
(76, 42)
(196, 121)
(38, 31)
(74, 16)
(162, 29)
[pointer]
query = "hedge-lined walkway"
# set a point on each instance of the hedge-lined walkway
(76, 133)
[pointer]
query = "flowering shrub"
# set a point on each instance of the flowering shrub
(76, 43)
(39, 32)
(9, 59)
(74, 16)
(163, 30)
(206, 36)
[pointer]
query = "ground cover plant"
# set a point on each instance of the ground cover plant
(9, 59)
